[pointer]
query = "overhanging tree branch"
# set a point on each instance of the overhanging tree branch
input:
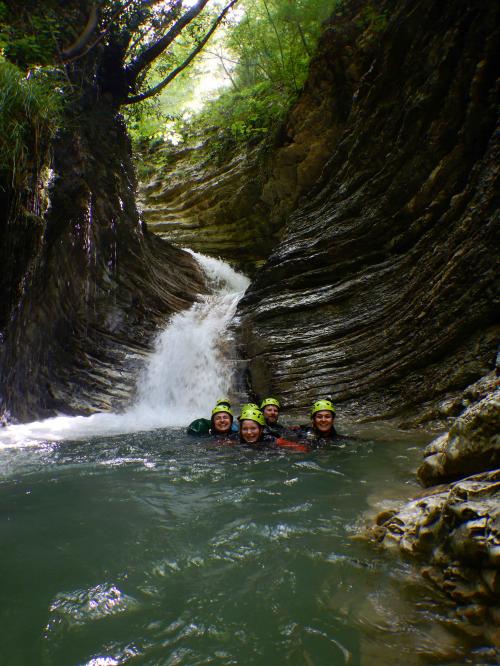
(156, 89)
(156, 49)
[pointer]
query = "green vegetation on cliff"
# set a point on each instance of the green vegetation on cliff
(30, 113)
(264, 55)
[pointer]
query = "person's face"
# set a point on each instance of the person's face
(323, 421)
(222, 422)
(250, 431)
(271, 413)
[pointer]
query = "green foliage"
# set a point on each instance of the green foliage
(30, 113)
(272, 46)
(245, 116)
(275, 40)
(266, 51)
(28, 48)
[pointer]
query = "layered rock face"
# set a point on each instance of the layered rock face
(92, 286)
(210, 207)
(383, 291)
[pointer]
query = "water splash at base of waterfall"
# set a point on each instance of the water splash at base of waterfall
(192, 364)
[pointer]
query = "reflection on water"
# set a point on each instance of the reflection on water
(150, 548)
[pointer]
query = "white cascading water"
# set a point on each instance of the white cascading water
(184, 376)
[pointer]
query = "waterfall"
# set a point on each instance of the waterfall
(192, 364)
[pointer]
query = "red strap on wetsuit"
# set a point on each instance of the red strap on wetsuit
(292, 446)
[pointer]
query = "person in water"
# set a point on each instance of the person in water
(252, 424)
(322, 431)
(221, 425)
(270, 407)
(201, 427)
(253, 433)
(224, 402)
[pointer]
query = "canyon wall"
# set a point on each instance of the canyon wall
(86, 286)
(383, 289)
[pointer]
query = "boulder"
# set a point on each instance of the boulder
(453, 531)
(472, 444)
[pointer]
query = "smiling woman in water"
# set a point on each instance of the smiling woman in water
(253, 433)
(252, 424)
(322, 431)
(222, 422)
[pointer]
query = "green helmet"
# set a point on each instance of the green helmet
(250, 405)
(221, 408)
(270, 401)
(223, 401)
(250, 414)
(246, 406)
(322, 405)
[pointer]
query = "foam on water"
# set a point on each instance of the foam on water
(189, 368)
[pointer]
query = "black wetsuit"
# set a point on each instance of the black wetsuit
(315, 440)
(222, 438)
(278, 430)
(266, 441)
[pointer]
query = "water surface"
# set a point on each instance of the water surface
(150, 548)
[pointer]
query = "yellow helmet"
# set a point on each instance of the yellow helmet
(270, 401)
(250, 414)
(221, 408)
(223, 401)
(250, 405)
(322, 405)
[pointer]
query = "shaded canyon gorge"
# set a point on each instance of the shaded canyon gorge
(369, 226)
(379, 199)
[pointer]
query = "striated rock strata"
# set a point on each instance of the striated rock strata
(383, 290)
(85, 285)
(194, 201)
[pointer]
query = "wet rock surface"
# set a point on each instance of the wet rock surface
(213, 207)
(378, 205)
(472, 444)
(382, 291)
(453, 533)
(452, 530)
(90, 292)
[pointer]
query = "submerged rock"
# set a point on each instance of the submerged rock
(452, 530)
